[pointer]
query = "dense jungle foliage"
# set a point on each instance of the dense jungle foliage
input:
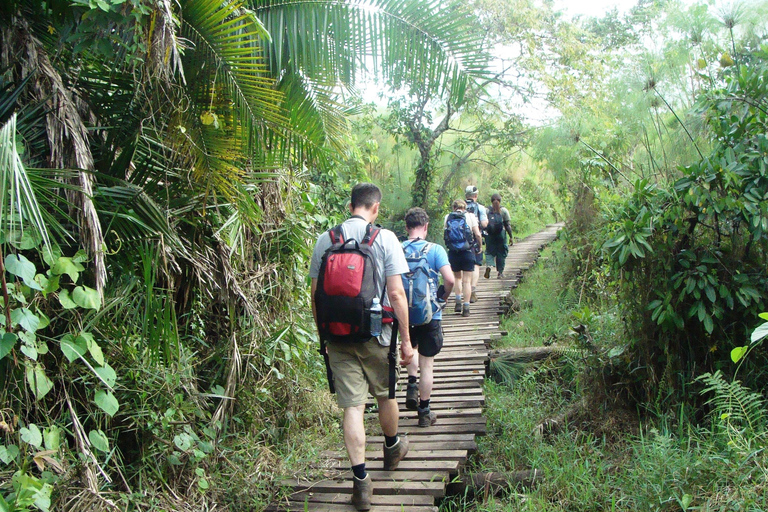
(165, 167)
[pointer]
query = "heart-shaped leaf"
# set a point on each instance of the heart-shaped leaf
(106, 402)
(738, 353)
(99, 440)
(106, 374)
(67, 266)
(8, 453)
(760, 333)
(72, 348)
(20, 266)
(87, 298)
(31, 435)
(38, 381)
(7, 342)
(26, 319)
(65, 300)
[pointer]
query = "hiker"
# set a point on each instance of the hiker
(479, 211)
(499, 226)
(427, 262)
(352, 261)
(462, 235)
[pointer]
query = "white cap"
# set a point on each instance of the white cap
(470, 190)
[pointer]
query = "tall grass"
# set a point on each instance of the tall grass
(606, 458)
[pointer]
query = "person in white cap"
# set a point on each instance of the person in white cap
(480, 212)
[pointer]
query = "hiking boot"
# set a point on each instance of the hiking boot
(473, 297)
(465, 310)
(412, 397)
(457, 309)
(394, 454)
(487, 272)
(500, 275)
(362, 490)
(427, 418)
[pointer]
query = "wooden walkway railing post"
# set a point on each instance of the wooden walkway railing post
(437, 453)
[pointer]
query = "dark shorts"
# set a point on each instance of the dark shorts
(479, 258)
(428, 338)
(462, 261)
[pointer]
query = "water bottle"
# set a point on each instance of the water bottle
(376, 317)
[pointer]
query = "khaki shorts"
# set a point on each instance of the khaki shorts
(359, 369)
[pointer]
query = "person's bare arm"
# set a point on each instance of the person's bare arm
(448, 280)
(313, 288)
(399, 303)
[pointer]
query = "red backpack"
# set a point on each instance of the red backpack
(346, 287)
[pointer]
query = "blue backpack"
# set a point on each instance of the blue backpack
(420, 284)
(458, 235)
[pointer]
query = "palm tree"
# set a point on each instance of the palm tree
(186, 124)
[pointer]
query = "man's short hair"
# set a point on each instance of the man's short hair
(459, 205)
(494, 197)
(415, 218)
(470, 191)
(365, 195)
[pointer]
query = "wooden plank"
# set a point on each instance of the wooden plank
(326, 486)
(406, 470)
(445, 421)
(377, 499)
(413, 452)
(296, 506)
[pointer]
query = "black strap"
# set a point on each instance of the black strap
(393, 360)
(328, 372)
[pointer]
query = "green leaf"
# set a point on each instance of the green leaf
(29, 351)
(26, 319)
(106, 402)
(38, 381)
(73, 348)
(759, 333)
(764, 316)
(65, 300)
(711, 295)
(107, 375)
(51, 285)
(183, 441)
(7, 342)
(52, 438)
(8, 453)
(99, 440)
(87, 298)
(738, 353)
(20, 266)
(67, 266)
(93, 347)
(31, 435)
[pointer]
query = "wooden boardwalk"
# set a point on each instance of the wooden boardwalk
(437, 453)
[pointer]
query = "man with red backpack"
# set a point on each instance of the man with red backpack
(355, 267)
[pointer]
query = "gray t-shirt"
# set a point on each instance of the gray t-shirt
(390, 259)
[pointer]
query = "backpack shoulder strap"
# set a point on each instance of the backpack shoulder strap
(371, 232)
(336, 234)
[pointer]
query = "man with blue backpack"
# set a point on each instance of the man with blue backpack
(427, 262)
(462, 236)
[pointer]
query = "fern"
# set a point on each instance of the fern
(740, 408)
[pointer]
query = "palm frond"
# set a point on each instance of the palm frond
(417, 42)
(228, 57)
(19, 208)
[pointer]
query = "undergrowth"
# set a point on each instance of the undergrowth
(602, 455)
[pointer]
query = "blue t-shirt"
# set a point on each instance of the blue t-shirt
(437, 258)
